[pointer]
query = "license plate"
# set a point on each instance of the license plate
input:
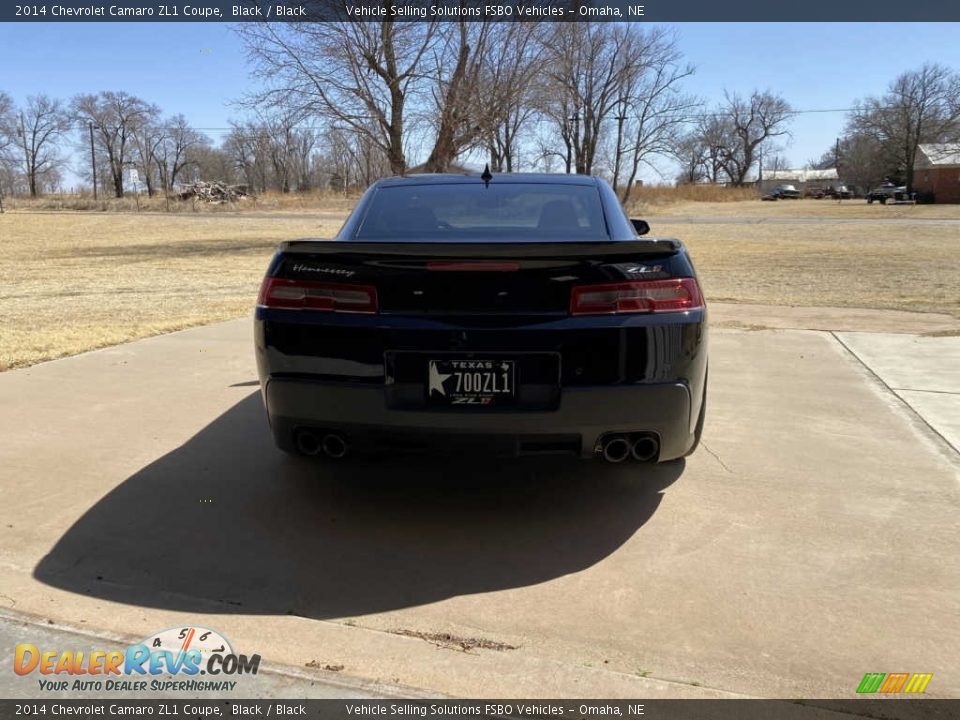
(481, 382)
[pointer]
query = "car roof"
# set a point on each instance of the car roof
(470, 178)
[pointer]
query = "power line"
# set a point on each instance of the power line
(302, 126)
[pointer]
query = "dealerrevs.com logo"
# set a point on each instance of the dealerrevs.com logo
(170, 660)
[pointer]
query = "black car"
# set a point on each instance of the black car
(838, 192)
(885, 192)
(786, 192)
(512, 314)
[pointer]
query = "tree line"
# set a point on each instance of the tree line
(342, 104)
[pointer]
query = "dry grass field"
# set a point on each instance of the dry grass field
(74, 281)
(78, 281)
(870, 265)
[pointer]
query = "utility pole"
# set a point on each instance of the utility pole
(619, 154)
(836, 163)
(575, 119)
(93, 162)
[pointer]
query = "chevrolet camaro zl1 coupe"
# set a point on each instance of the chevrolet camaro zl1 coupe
(508, 314)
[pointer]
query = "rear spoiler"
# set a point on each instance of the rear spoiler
(602, 249)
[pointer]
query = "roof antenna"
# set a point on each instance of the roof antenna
(487, 176)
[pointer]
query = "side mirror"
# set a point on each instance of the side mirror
(641, 227)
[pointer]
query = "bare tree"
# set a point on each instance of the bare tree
(359, 74)
(284, 153)
(691, 153)
(457, 68)
(919, 106)
(7, 137)
(482, 74)
(248, 146)
(348, 160)
(115, 117)
(40, 125)
(589, 70)
(148, 137)
(274, 151)
(175, 152)
(393, 81)
(210, 163)
(7, 123)
(509, 76)
(654, 114)
(699, 151)
(743, 125)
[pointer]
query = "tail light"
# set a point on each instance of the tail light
(308, 295)
(639, 296)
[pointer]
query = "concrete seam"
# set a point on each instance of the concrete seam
(893, 391)
(938, 392)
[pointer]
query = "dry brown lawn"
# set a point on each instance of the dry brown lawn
(75, 281)
(757, 210)
(78, 281)
(870, 265)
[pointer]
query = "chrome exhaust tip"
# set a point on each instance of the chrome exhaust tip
(334, 445)
(645, 448)
(615, 449)
(307, 442)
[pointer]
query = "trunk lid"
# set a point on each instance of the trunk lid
(489, 278)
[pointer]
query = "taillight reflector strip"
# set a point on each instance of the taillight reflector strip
(637, 296)
(309, 295)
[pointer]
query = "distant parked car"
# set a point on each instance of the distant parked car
(887, 191)
(786, 192)
(840, 192)
(815, 192)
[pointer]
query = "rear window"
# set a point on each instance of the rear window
(504, 211)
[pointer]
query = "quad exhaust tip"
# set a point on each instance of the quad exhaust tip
(333, 445)
(307, 442)
(642, 447)
(615, 449)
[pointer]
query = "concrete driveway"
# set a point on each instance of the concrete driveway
(810, 540)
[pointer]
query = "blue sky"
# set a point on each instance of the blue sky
(199, 68)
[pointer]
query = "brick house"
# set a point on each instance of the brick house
(937, 170)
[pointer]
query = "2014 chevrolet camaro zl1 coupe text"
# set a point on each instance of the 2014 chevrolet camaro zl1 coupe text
(513, 314)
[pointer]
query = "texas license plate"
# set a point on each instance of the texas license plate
(482, 382)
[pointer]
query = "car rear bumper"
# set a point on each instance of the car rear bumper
(362, 415)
